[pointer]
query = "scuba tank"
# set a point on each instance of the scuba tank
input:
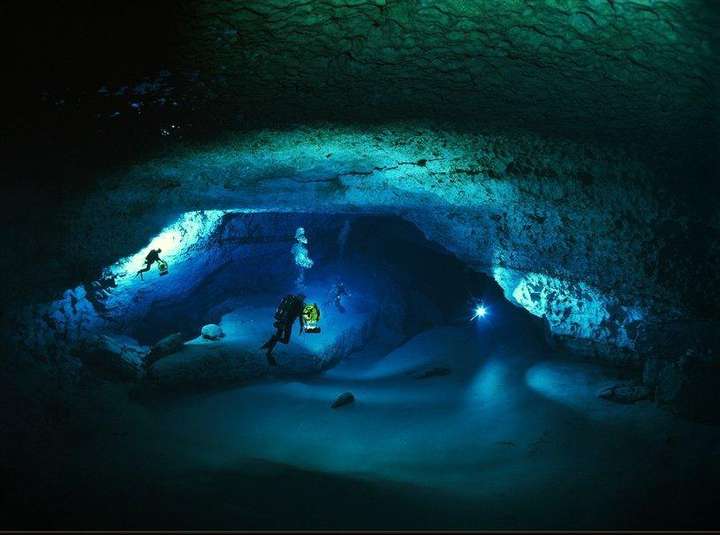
(311, 315)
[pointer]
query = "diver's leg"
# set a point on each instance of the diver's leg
(270, 345)
(279, 336)
(143, 270)
(287, 331)
(282, 335)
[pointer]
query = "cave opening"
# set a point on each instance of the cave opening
(377, 279)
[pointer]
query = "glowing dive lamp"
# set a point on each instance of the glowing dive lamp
(480, 312)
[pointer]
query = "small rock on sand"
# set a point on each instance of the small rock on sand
(625, 393)
(343, 399)
(432, 372)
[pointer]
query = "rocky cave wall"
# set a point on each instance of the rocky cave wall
(217, 259)
(239, 262)
(573, 233)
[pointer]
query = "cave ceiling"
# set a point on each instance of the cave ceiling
(616, 68)
(633, 73)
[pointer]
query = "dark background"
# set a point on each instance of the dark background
(66, 52)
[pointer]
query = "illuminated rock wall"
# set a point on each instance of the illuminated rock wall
(571, 232)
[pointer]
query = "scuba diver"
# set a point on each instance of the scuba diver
(152, 257)
(336, 293)
(301, 255)
(290, 308)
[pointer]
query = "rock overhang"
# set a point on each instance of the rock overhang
(523, 209)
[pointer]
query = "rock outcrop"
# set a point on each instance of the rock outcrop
(112, 358)
(164, 347)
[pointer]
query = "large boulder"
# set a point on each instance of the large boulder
(212, 331)
(167, 346)
(112, 358)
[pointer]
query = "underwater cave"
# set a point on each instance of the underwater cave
(229, 269)
(364, 265)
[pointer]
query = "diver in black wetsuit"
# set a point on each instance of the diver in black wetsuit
(152, 257)
(289, 309)
(336, 294)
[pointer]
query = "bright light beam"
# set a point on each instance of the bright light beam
(480, 312)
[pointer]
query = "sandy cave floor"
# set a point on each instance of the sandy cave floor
(512, 437)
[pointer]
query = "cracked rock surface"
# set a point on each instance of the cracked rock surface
(554, 66)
